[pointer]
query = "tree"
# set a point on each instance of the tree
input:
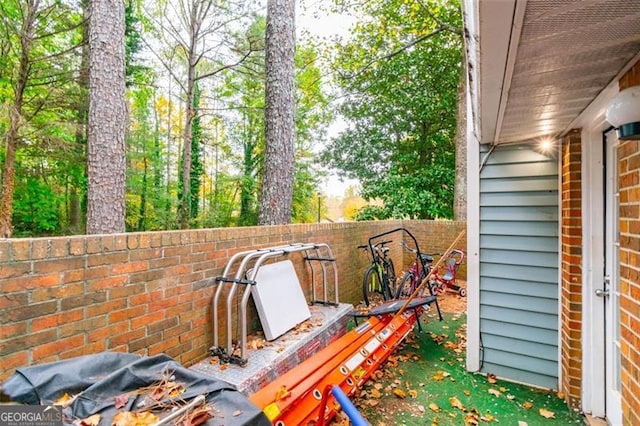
(277, 183)
(400, 72)
(107, 118)
(37, 42)
(197, 31)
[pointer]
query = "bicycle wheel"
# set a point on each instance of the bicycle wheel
(370, 284)
(405, 287)
(390, 273)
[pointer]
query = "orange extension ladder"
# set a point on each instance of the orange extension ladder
(297, 397)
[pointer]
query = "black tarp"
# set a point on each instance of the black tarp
(98, 379)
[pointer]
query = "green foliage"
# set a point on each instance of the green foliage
(36, 208)
(400, 71)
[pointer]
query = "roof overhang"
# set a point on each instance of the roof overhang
(542, 63)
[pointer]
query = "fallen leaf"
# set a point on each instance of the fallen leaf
(372, 402)
(413, 393)
(521, 423)
(466, 392)
(121, 400)
(434, 407)
(89, 421)
(198, 416)
(560, 394)
(64, 401)
(399, 393)
(376, 393)
(455, 402)
(223, 367)
(487, 417)
(439, 376)
(128, 418)
(491, 378)
(378, 386)
(527, 405)
(282, 393)
(421, 409)
(510, 397)
(547, 414)
(237, 413)
(495, 392)
(471, 419)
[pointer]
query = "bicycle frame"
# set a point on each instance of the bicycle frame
(419, 258)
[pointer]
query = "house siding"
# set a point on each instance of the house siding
(519, 265)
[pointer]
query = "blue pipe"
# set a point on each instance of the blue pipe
(347, 406)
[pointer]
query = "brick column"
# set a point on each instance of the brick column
(571, 309)
(629, 211)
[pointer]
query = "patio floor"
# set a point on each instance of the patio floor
(425, 383)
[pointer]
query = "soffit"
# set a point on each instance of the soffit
(560, 55)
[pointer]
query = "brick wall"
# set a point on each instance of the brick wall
(150, 293)
(571, 285)
(629, 190)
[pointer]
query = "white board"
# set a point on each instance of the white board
(279, 299)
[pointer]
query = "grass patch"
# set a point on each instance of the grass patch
(425, 383)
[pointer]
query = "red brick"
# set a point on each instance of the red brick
(27, 341)
(12, 329)
(55, 348)
(125, 338)
(129, 267)
(30, 282)
(81, 326)
(54, 320)
(21, 249)
(107, 283)
(106, 307)
(13, 300)
(103, 333)
(58, 292)
(126, 314)
(88, 349)
(14, 269)
(30, 311)
(147, 319)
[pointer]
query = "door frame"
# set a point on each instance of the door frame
(593, 240)
(612, 261)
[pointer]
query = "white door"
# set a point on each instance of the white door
(610, 290)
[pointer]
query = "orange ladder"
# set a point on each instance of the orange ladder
(295, 397)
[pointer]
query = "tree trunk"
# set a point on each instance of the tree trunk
(278, 172)
(460, 140)
(107, 118)
(15, 119)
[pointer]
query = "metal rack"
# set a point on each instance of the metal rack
(246, 264)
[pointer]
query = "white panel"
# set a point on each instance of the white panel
(279, 299)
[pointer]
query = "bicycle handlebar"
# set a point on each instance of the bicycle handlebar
(412, 250)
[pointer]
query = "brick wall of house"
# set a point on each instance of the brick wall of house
(629, 191)
(571, 285)
(150, 293)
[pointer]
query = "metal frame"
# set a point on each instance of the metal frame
(246, 264)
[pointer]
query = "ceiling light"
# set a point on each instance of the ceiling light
(623, 113)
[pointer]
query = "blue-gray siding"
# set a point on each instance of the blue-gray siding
(519, 265)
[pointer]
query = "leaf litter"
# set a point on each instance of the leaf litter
(466, 398)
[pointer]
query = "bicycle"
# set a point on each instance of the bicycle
(380, 276)
(418, 271)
